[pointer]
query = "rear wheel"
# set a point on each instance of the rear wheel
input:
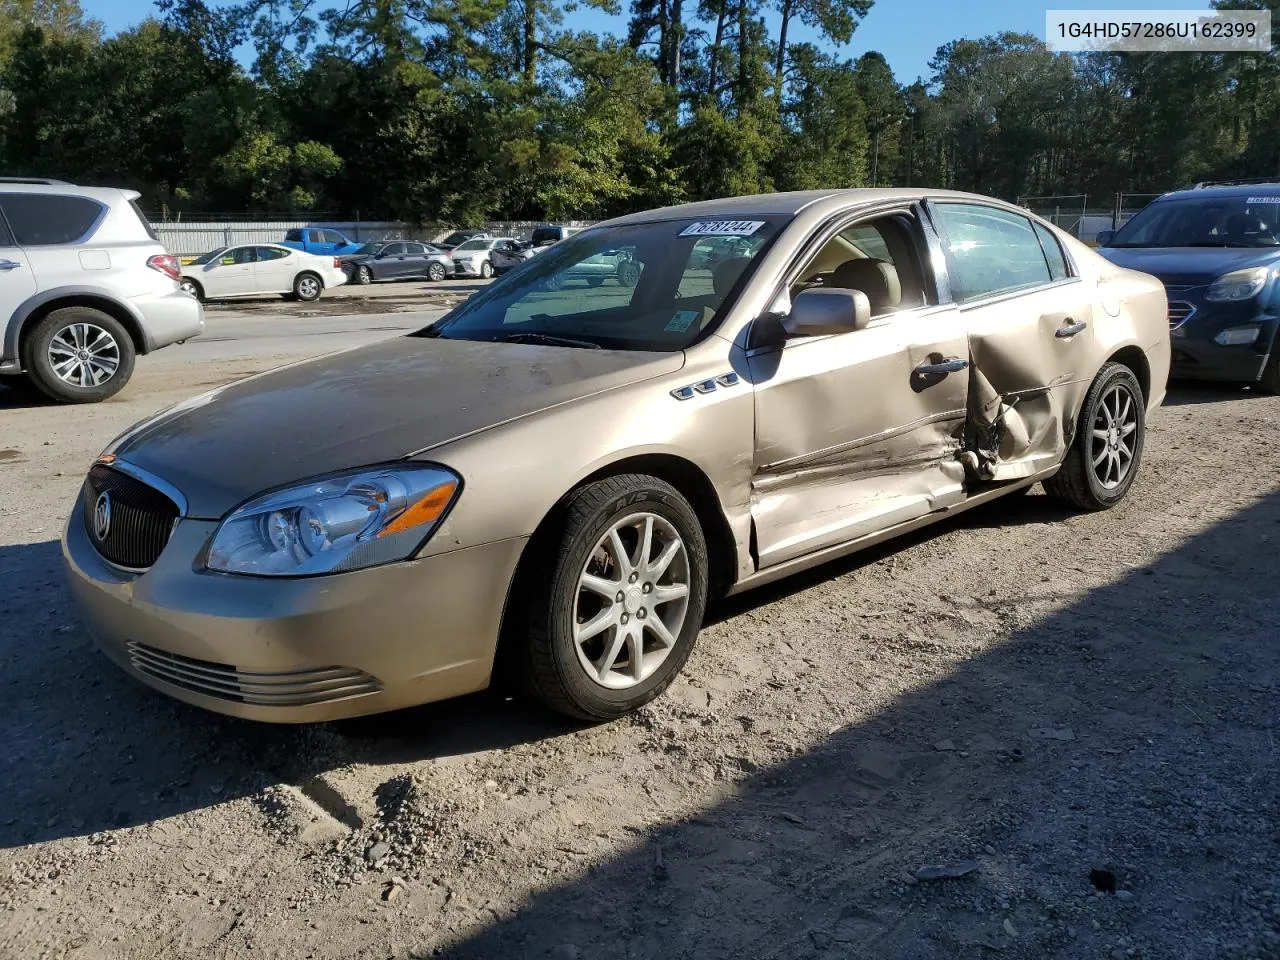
(78, 355)
(610, 615)
(307, 287)
(191, 288)
(1103, 461)
(435, 272)
(364, 275)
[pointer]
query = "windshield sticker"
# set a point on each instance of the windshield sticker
(1252, 200)
(722, 228)
(681, 321)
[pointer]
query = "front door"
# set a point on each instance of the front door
(860, 431)
(230, 274)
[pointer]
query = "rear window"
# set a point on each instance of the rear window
(40, 220)
(546, 235)
(294, 236)
(142, 218)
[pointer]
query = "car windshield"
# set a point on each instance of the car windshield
(475, 245)
(455, 238)
(209, 257)
(646, 286)
(1211, 221)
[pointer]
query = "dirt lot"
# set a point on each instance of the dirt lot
(1027, 693)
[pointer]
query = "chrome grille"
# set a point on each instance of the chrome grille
(296, 689)
(1179, 312)
(139, 518)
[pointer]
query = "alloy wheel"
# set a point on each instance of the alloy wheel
(631, 601)
(84, 355)
(308, 288)
(1114, 423)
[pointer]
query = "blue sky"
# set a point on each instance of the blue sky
(907, 32)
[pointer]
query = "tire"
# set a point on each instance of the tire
(364, 275)
(75, 336)
(307, 287)
(192, 288)
(435, 272)
(628, 274)
(547, 659)
(595, 281)
(1078, 483)
(486, 270)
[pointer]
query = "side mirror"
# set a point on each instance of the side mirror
(819, 313)
(1104, 237)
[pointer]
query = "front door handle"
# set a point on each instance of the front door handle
(9, 265)
(1070, 329)
(943, 367)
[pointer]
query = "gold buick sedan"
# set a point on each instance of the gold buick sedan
(554, 477)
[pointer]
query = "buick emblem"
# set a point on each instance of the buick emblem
(102, 516)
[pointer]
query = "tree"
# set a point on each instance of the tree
(834, 19)
(882, 99)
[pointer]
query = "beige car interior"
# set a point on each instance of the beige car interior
(890, 285)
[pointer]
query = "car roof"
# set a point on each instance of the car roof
(1267, 188)
(789, 204)
(101, 194)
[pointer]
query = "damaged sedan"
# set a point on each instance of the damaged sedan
(549, 482)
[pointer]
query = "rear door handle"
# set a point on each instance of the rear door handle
(1070, 329)
(950, 365)
(9, 265)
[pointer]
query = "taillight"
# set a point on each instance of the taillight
(337, 263)
(167, 264)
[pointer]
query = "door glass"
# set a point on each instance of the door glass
(237, 255)
(1052, 252)
(990, 251)
(45, 219)
(270, 253)
(394, 250)
(332, 236)
(414, 249)
(878, 257)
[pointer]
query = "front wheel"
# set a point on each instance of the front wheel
(78, 355)
(435, 272)
(628, 273)
(1270, 381)
(486, 270)
(611, 613)
(307, 287)
(1103, 461)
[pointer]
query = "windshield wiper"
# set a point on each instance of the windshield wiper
(529, 336)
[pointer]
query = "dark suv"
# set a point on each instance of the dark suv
(1216, 248)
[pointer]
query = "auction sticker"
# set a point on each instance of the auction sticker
(722, 228)
(1252, 200)
(682, 321)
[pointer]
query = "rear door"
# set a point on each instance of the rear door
(1032, 343)
(415, 260)
(17, 283)
(272, 269)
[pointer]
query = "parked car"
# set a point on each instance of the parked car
(473, 258)
(548, 234)
(459, 237)
(507, 258)
(397, 260)
(1217, 249)
(617, 265)
(321, 242)
(261, 269)
(85, 287)
(577, 475)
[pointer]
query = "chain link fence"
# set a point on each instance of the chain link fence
(1084, 216)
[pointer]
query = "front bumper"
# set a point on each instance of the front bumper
(1197, 356)
(169, 318)
(295, 650)
(466, 268)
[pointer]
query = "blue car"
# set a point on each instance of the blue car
(1216, 248)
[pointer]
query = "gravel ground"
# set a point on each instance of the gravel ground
(1022, 695)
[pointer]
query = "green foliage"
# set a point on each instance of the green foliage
(466, 110)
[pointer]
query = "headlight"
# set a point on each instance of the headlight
(1234, 336)
(358, 519)
(1238, 284)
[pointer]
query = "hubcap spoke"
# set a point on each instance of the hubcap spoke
(600, 586)
(667, 593)
(611, 655)
(635, 645)
(83, 355)
(660, 631)
(663, 560)
(595, 625)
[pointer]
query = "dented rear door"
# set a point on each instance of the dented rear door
(857, 432)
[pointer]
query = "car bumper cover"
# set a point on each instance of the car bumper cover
(169, 318)
(295, 650)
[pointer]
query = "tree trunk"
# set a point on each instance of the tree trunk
(715, 52)
(676, 37)
(664, 42)
(530, 42)
(780, 63)
(744, 61)
(875, 156)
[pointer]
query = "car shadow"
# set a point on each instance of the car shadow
(1183, 393)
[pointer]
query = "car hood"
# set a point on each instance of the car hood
(1189, 265)
(369, 405)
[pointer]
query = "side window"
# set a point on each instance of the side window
(990, 251)
(332, 236)
(294, 236)
(270, 253)
(1052, 253)
(41, 220)
(237, 256)
(394, 250)
(879, 257)
(414, 249)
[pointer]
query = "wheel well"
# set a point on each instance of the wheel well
(1135, 360)
(107, 306)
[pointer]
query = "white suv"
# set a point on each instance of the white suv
(85, 286)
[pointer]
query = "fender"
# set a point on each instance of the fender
(124, 311)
